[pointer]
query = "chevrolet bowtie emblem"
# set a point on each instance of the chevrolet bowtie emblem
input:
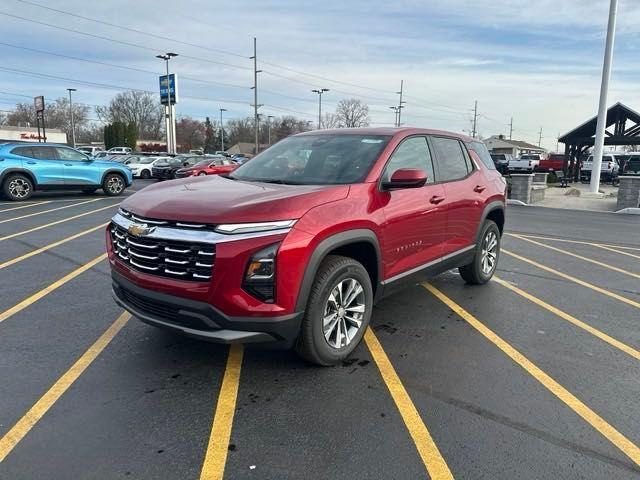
(140, 229)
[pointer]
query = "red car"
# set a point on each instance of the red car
(296, 245)
(208, 166)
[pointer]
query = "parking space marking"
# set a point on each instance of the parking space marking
(218, 447)
(575, 255)
(578, 242)
(9, 441)
(619, 252)
(571, 319)
(23, 206)
(431, 457)
(47, 290)
(50, 210)
(608, 431)
(57, 222)
(37, 251)
(601, 290)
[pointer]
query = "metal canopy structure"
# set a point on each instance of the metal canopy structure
(622, 128)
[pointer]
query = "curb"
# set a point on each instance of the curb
(630, 211)
(512, 201)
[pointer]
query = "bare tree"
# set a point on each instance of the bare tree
(190, 133)
(141, 108)
(351, 113)
(330, 120)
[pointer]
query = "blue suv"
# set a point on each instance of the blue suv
(25, 168)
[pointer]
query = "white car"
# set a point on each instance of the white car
(92, 151)
(609, 168)
(119, 150)
(142, 167)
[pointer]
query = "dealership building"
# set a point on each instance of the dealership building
(30, 134)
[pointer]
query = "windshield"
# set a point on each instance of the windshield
(315, 160)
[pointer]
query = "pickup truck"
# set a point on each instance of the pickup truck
(525, 163)
(501, 161)
(608, 169)
(553, 163)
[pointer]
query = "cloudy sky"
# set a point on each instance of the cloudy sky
(536, 61)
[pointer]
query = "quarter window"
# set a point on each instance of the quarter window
(452, 162)
(483, 154)
(23, 152)
(412, 153)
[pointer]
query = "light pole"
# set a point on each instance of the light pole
(73, 123)
(320, 91)
(222, 130)
(601, 125)
(397, 111)
(171, 126)
(269, 117)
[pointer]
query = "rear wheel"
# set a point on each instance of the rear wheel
(338, 311)
(485, 261)
(17, 187)
(113, 184)
(202, 173)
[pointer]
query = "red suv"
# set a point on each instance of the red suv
(297, 245)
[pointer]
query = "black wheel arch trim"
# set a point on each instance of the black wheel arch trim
(23, 171)
(490, 207)
(322, 250)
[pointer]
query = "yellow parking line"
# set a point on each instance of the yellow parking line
(37, 251)
(591, 417)
(57, 222)
(50, 210)
(601, 290)
(431, 457)
(47, 290)
(578, 242)
(571, 319)
(575, 255)
(216, 456)
(604, 247)
(24, 206)
(9, 441)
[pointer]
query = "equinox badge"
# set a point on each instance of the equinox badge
(140, 229)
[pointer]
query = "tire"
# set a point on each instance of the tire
(145, 174)
(475, 272)
(89, 191)
(17, 187)
(202, 173)
(319, 343)
(172, 175)
(113, 184)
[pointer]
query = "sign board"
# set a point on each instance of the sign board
(38, 102)
(169, 89)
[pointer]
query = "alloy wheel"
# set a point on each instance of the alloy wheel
(343, 313)
(489, 253)
(19, 188)
(115, 185)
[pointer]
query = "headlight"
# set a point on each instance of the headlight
(235, 228)
(260, 275)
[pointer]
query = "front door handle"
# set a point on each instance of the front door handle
(31, 163)
(479, 189)
(68, 164)
(436, 199)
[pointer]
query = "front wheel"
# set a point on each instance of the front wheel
(113, 184)
(202, 173)
(145, 174)
(17, 187)
(485, 261)
(338, 311)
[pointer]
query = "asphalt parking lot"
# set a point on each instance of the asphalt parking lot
(535, 375)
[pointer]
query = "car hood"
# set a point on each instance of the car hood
(216, 199)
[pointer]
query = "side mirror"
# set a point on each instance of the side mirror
(406, 178)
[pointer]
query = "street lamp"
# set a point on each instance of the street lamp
(269, 117)
(171, 128)
(222, 130)
(320, 91)
(73, 124)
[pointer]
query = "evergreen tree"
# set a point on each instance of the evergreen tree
(210, 143)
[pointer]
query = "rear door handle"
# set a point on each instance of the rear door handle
(479, 189)
(68, 164)
(32, 163)
(436, 199)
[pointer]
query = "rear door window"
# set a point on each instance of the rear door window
(45, 153)
(451, 159)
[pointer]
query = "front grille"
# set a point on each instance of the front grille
(159, 309)
(165, 223)
(166, 258)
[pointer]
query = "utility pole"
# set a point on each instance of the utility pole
(400, 103)
(73, 125)
(169, 109)
(320, 91)
(222, 130)
(475, 120)
(269, 117)
(255, 94)
(604, 91)
(395, 120)
(540, 138)
(511, 129)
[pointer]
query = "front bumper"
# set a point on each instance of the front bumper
(201, 320)
(161, 173)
